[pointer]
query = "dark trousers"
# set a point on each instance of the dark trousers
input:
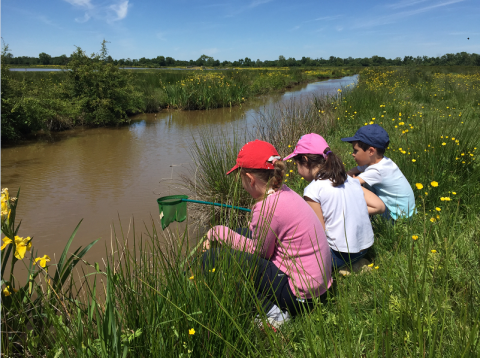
(270, 282)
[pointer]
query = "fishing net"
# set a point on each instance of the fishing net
(172, 208)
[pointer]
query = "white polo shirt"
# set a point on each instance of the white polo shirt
(347, 224)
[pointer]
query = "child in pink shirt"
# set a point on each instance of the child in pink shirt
(288, 253)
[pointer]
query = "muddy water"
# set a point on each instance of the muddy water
(109, 175)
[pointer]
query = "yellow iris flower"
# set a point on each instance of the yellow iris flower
(43, 260)
(22, 245)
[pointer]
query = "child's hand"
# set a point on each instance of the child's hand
(206, 245)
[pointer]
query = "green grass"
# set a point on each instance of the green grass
(414, 302)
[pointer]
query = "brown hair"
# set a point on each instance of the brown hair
(273, 178)
(365, 146)
(331, 168)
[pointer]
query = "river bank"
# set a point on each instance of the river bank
(94, 93)
(419, 299)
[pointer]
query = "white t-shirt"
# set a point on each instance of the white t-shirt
(390, 185)
(347, 224)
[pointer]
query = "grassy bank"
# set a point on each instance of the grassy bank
(95, 93)
(420, 299)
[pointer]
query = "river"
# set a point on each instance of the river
(107, 175)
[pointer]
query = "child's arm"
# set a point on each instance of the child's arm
(317, 208)
(353, 172)
(375, 205)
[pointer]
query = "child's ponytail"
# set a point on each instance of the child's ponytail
(278, 174)
(332, 169)
(329, 166)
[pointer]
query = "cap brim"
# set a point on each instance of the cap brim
(234, 168)
(290, 156)
(349, 139)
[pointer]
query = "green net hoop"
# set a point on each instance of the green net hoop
(172, 208)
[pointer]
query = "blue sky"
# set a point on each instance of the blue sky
(229, 30)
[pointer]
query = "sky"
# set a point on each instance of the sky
(233, 29)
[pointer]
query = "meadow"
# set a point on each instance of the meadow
(420, 298)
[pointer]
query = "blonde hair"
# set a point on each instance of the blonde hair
(272, 177)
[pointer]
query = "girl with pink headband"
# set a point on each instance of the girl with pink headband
(337, 200)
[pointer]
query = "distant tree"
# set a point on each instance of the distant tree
(247, 62)
(160, 60)
(281, 61)
(169, 61)
(204, 60)
(44, 58)
(258, 63)
(408, 60)
(291, 62)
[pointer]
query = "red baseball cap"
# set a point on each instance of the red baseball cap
(256, 155)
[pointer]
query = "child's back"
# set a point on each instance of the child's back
(387, 181)
(347, 224)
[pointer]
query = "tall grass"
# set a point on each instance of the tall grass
(421, 297)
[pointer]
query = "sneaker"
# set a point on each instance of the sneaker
(359, 266)
(275, 318)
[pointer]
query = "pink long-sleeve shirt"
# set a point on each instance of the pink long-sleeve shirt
(287, 232)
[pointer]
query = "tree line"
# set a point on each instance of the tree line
(449, 59)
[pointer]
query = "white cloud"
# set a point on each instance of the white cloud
(81, 3)
(120, 10)
(328, 18)
(256, 3)
(83, 19)
(388, 19)
(405, 3)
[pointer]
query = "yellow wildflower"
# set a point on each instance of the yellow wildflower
(21, 245)
(454, 193)
(5, 207)
(415, 237)
(212, 270)
(191, 332)
(376, 267)
(433, 220)
(6, 291)
(414, 160)
(438, 209)
(43, 260)
(434, 184)
(191, 277)
(419, 186)
(433, 251)
(444, 143)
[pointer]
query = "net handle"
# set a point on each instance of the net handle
(217, 204)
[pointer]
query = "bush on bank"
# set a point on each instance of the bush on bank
(421, 298)
(91, 92)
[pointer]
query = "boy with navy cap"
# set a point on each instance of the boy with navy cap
(380, 174)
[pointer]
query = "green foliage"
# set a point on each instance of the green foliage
(90, 91)
(104, 92)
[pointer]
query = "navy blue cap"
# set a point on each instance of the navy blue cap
(372, 134)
